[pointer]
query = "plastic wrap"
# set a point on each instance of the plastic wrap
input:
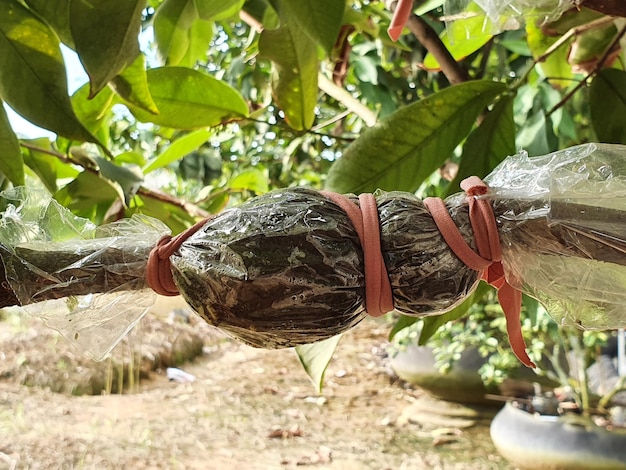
(500, 15)
(563, 231)
(47, 251)
(286, 268)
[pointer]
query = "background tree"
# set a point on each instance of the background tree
(194, 105)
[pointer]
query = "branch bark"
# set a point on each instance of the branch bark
(608, 7)
(429, 39)
(54, 270)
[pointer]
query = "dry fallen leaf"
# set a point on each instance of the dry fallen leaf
(293, 431)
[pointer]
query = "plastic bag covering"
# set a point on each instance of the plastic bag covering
(111, 257)
(286, 268)
(577, 268)
(500, 15)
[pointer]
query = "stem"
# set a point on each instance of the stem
(620, 386)
(575, 31)
(560, 42)
(190, 208)
(559, 374)
(593, 72)
(345, 98)
(583, 384)
(313, 130)
(431, 41)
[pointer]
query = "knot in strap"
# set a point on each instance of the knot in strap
(159, 268)
(488, 260)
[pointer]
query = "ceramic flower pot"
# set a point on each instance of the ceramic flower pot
(551, 442)
(462, 384)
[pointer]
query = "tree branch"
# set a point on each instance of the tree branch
(608, 7)
(429, 39)
(596, 69)
(190, 208)
(345, 98)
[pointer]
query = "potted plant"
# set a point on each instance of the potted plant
(579, 425)
(468, 359)
(569, 413)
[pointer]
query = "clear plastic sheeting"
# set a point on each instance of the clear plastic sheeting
(501, 15)
(286, 268)
(104, 266)
(576, 265)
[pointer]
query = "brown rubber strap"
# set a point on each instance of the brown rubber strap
(488, 260)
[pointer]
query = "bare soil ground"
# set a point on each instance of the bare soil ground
(247, 408)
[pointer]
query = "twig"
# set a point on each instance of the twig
(332, 120)
(429, 39)
(345, 98)
(593, 72)
(620, 386)
(575, 31)
(190, 208)
(250, 21)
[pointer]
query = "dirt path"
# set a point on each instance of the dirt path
(248, 408)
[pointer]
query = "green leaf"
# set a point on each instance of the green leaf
(32, 79)
(105, 34)
(127, 179)
(216, 10)
(173, 21)
(199, 37)
(536, 136)
(132, 85)
(92, 112)
(473, 39)
(189, 99)
(251, 180)
(42, 164)
(607, 105)
(176, 218)
(315, 358)
(400, 151)
(488, 144)
(427, 6)
(294, 83)
(89, 195)
(320, 20)
(517, 46)
(57, 15)
(532, 308)
(433, 323)
(181, 34)
(131, 157)
(179, 149)
(11, 162)
(404, 321)
(555, 65)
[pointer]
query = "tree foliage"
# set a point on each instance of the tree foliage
(192, 105)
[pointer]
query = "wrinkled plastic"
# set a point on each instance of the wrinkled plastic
(286, 268)
(497, 16)
(110, 257)
(577, 268)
